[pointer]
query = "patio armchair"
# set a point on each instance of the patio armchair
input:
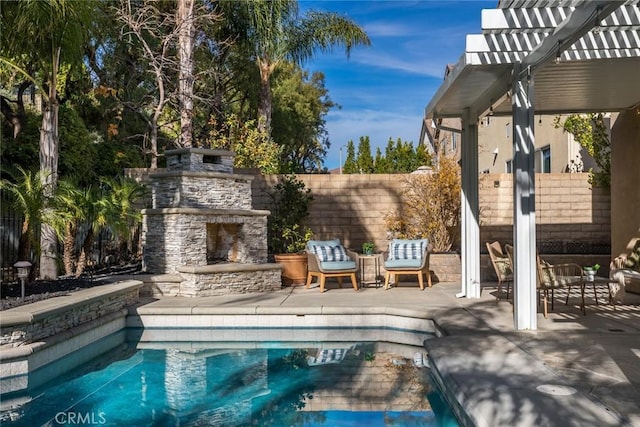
(625, 270)
(551, 277)
(328, 258)
(407, 257)
(501, 263)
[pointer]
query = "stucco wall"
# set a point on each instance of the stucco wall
(625, 179)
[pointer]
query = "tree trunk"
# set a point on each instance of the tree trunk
(185, 42)
(69, 243)
(49, 170)
(24, 243)
(84, 253)
(264, 100)
(153, 140)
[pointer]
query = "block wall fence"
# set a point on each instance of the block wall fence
(569, 212)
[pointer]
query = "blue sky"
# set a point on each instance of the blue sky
(383, 89)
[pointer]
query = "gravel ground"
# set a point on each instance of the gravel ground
(42, 289)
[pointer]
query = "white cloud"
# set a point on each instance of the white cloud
(421, 65)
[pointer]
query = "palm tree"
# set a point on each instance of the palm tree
(123, 216)
(276, 33)
(38, 36)
(28, 194)
(66, 214)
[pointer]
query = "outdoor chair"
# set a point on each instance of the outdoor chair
(501, 265)
(625, 270)
(328, 258)
(407, 257)
(551, 277)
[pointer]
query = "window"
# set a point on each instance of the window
(454, 142)
(543, 160)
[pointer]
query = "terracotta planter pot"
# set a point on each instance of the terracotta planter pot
(294, 268)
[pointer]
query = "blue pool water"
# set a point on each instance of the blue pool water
(349, 384)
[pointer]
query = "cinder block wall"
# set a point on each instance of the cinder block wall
(353, 207)
(568, 210)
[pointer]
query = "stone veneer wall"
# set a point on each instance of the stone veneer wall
(213, 280)
(185, 189)
(179, 236)
(82, 307)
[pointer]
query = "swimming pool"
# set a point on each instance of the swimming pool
(259, 383)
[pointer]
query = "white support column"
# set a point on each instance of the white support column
(470, 227)
(524, 217)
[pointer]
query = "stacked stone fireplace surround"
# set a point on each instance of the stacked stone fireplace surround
(201, 237)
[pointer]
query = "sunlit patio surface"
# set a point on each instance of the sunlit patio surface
(574, 369)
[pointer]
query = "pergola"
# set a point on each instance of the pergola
(534, 56)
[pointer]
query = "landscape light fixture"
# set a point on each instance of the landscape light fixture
(23, 268)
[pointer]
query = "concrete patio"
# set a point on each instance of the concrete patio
(501, 376)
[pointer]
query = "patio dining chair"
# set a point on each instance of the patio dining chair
(556, 276)
(328, 258)
(501, 265)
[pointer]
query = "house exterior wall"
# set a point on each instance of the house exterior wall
(495, 134)
(625, 179)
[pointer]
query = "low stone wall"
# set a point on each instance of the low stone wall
(445, 267)
(225, 279)
(40, 320)
(38, 334)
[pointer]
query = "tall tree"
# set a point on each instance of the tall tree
(38, 38)
(350, 164)
(275, 32)
(153, 34)
(300, 103)
(365, 161)
(186, 33)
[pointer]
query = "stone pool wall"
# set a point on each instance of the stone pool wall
(37, 321)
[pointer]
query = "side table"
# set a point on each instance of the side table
(594, 281)
(362, 260)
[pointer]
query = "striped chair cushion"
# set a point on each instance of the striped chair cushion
(407, 249)
(327, 253)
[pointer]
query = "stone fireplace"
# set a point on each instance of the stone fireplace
(202, 227)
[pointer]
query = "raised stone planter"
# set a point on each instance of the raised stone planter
(225, 279)
(445, 267)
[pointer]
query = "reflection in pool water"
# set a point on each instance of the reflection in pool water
(330, 384)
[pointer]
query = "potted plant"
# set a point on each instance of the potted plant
(590, 271)
(286, 236)
(368, 248)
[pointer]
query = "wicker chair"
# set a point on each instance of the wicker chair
(551, 277)
(328, 258)
(625, 268)
(501, 265)
(407, 257)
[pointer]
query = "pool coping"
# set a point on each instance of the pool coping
(449, 355)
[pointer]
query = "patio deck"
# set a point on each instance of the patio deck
(493, 368)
